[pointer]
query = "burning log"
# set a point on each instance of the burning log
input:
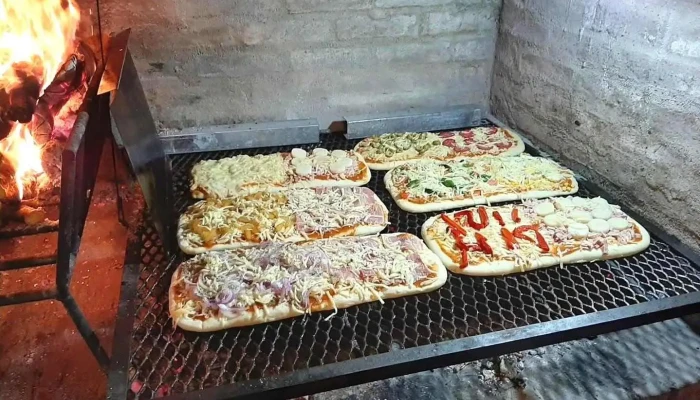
(18, 100)
(31, 215)
(27, 214)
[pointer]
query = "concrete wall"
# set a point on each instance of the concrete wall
(219, 61)
(611, 86)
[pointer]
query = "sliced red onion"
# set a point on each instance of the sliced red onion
(226, 296)
(229, 312)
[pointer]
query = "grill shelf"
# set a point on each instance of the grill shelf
(489, 316)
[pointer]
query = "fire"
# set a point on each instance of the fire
(36, 37)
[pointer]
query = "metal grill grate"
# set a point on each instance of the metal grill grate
(167, 360)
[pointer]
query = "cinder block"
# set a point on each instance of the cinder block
(409, 3)
(362, 26)
(313, 6)
(460, 21)
(303, 29)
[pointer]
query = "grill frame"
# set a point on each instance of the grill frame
(391, 362)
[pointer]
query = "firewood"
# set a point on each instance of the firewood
(31, 215)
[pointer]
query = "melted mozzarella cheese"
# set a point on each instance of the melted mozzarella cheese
(228, 176)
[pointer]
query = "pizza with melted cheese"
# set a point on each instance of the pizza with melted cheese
(433, 186)
(232, 288)
(297, 169)
(390, 150)
(534, 234)
(291, 215)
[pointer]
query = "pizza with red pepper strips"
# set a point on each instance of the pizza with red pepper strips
(434, 186)
(390, 150)
(492, 241)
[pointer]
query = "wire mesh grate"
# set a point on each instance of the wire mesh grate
(167, 360)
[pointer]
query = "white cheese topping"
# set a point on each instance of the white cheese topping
(229, 176)
(300, 274)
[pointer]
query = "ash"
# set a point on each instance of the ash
(504, 371)
(637, 363)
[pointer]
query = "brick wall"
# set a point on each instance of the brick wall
(611, 86)
(219, 61)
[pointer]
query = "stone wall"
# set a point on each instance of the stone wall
(220, 61)
(611, 86)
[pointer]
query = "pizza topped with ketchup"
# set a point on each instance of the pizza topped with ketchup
(387, 151)
(534, 234)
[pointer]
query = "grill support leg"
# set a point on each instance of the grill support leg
(86, 331)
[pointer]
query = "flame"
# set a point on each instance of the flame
(23, 153)
(36, 37)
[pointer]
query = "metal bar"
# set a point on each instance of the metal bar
(456, 117)
(66, 258)
(138, 132)
(242, 136)
(29, 262)
(115, 61)
(652, 227)
(90, 337)
(46, 227)
(117, 375)
(407, 361)
(27, 297)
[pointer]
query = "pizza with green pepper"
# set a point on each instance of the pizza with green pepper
(390, 150)
(433, 186)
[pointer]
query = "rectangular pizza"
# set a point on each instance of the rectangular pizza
(535, 234)
(390, 150)
(297, 169)
(232, 288)
(434, 186)
(291, 215)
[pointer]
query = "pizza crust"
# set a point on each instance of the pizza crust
(387, 165)
(284, 311)
(468, 202)
(505, 267)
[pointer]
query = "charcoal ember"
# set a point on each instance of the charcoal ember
(5, 126)
(51, 158)
(68, 79)
(42, 123)
(18, 101)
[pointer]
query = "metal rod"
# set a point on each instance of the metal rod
(118, 380)
(90, 337)
(27, 297)
(29, 262)
(48, 227)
